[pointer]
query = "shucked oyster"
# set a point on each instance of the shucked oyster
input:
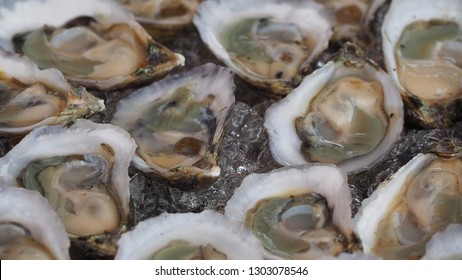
(184, 236)
(270, 44)
(162, 18)
(348, 113)
(350, 15)
(94, 43)
(297, 213)
(178, 123)
(421, 199)
(30, 97)
(81, 169)
(29, 228)
(423, 54)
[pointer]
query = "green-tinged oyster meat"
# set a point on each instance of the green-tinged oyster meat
(77, 188)
(431, 201)
(267, 48)
(345, 120)
(24, 105)
(296, 227)
(86, 47)
(184, 250)
(429, 55)
(177, 131)
(17, 243)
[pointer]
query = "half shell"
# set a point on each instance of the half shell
(207, 235)
(271, 44)
(178, 123)
(348, 112)
(82, 169)
(31, 97)
(297, 213)
(422, 46)
(29, 227)
(96, 44)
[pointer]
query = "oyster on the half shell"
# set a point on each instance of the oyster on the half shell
(96, 44)
(30, 97)
(162, 18)
(424, 197)
(82, 169)
(178, 123)
(29, 227)
(189, 236)
(271, 44)
(348, 113)
(423, 53)
(297, 213)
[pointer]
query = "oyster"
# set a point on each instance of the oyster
(271, 44)
(162, 18)
(178, 123)
(297, 213)
(95, 44)
(82, 169)
(350, 15)
(29, 228)
(422, 198)
(207, 236)
(348, 113)
(423, 54)
(30, 97)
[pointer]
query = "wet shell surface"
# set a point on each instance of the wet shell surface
(445, 245)
(206, 235)
(297, 213)
(96, 44)
(29, 227)
(31, 97)
(82, 169)
(423, 53)
(178, 123)
(268, 43)
(348, 113)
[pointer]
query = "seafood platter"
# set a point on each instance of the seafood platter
(263, 129)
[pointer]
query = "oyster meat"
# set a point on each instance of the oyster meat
(29, 228)
(271, 44)
(348, 113)
(423, 54)
(421, 199)
(189, 236)
(95, 44)
(30, 97)
(297, 213)
(178, 123)
(82, 170)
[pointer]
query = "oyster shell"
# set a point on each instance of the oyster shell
(95, 44)
(401, 216)
(297, 213)
(207, 235)
(446, 244)
(162, 18)
(347, 112)
(350, 15)
(178, 123)
(29, 228)
(271, 44)
(31, 97)
(82, 169)
(422, 51)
